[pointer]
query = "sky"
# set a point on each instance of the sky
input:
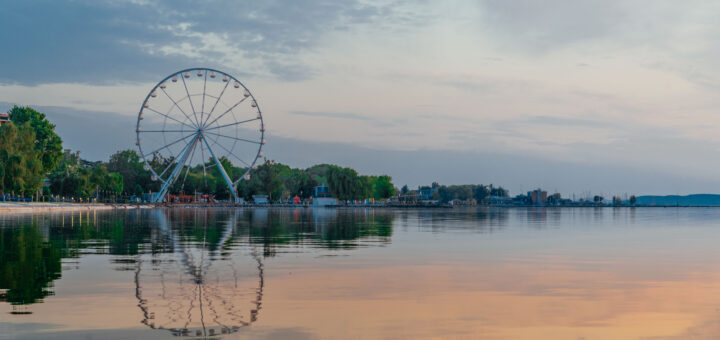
(607, 97)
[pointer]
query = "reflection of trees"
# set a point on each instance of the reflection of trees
(32, 249)
(28, 265)
(480, 219)
(322, 228)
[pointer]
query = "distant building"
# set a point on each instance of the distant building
(425, 194)
(322, 196)
(260, 199)
(537, 196)
(322, 191)
(4, 118)
(500, 200)
(520, 200)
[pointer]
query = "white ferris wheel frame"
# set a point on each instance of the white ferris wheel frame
(201, 123)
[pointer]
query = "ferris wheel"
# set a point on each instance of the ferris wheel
(199, 117)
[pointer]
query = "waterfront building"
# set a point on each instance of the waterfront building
(322, 196)
(4, 118)
(500, 200)
(260, 199)
(537, 196)
(425, 193)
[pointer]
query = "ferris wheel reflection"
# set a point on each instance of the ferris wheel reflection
(205, 286)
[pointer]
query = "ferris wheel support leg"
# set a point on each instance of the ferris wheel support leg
(176, 171)
(224, 174)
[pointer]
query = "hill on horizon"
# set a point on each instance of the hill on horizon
(679, 200)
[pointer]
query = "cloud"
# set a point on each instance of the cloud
(341, 115)
(567, 122)
(130, 41)
(546, 25)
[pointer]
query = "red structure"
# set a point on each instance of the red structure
(183, 198)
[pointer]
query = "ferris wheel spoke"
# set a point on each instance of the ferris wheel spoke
(169, 145)
(230, 153)
(231, 124)
(228, 110)
(167, 116)
(202, 108)
(215, 143)
(178, 106)
(155, 131)
(235, 138)
(218, 100)
(190, 99)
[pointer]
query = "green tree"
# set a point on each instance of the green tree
(383, 187)
(136, 179)
(47, 143)
(298, 182)
(498, 191)
(22, 169)
(346, 184)
(481, 194)
(265, 179)
(75, 177)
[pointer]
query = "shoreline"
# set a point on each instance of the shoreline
(13, 208)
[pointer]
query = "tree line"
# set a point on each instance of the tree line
(32, 153)
(446, 193)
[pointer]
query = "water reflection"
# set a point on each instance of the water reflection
(606, 273)
(476, 220)
(28, 265)
(204, 287)
(192, 268)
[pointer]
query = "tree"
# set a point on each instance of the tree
(298, 182)
(383, 187)
(267, 179)
(498, 191)
(136, 179)
(345, 184)
(47, 143)
(633, 200)
(481, 193)
(72, 178)
(22, 169)
(319, 172)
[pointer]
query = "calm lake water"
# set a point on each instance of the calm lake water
(495, 273)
